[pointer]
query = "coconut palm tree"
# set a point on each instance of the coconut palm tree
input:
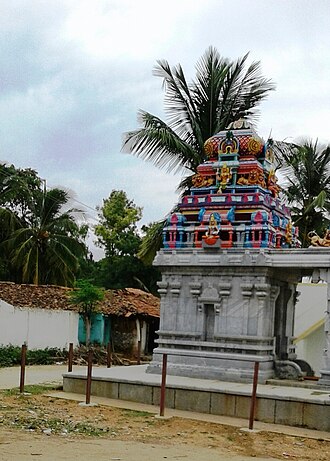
(222, 92)
(306, 170)
(45, 248)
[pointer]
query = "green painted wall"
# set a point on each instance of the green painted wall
(100, 330)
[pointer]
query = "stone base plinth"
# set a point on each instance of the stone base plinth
(292, 406)
(223, 310)
(324, 381)
(222, 367)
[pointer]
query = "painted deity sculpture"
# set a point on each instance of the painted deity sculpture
(238, 175)
(213, 228)
(317, 241)
(224, 177)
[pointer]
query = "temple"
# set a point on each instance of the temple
(234, 200)
(230, 264)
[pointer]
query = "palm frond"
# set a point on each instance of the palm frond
(151, 242)
(306, 168)
(211, 71)
(184, 185)
(51, 203)
(159, 144)
(179, 103)
(242, 92)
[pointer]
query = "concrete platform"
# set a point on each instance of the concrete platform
(291, 406)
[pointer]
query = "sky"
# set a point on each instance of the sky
(75, 73)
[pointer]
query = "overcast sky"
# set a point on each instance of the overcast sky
(74, 74)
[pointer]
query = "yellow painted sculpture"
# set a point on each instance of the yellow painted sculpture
(213, 228)
(255, 178)
(317, 241)
(224, 177)
(288, 232)
(202, 181)
(272, 184)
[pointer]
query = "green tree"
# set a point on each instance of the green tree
(306, 168)
(87, 297)
(118, 234)
(222, 92)
(117, 231)
(44, 245)
(18, 188)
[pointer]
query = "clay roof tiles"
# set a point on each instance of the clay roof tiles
(125, 302)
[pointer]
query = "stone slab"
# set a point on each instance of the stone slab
(135, 393)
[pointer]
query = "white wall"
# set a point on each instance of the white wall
(311, 305)
(39, 328)
(310, 309)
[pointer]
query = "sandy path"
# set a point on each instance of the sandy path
(17, 446)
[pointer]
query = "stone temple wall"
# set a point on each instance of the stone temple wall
(223, 310)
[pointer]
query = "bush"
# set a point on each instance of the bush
(46, 356)
(11, 356)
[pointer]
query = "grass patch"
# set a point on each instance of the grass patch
(56, 426)
(33, 389)
(136, 413)
(86, 429)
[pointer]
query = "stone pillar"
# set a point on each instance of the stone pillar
(324, 274)
(195, 290)
(224, 293)
(262, 294)
(281, 314)
(249, 318)
(274, 292)
(162, 290)
(174, 290)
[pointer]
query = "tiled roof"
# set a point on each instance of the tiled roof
(125, 302)
(130, 301)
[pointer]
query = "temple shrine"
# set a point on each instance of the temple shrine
(230, 263)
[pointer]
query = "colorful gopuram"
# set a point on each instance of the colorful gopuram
(234, 199)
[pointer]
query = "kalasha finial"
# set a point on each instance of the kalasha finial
(240, 124)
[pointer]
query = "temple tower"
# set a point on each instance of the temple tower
(229, 276)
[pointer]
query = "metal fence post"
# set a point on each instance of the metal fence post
(23, 362)
(254, 395)
(109, 355)
(70, 358)
(89, 377)
(163, 387)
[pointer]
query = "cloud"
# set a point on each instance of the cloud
(126, 29)
(74, 74)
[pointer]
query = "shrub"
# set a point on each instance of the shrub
(11, 356)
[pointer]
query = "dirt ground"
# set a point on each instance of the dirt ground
(38, 427)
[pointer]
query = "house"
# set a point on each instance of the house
(41, 316)
(127, 316)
